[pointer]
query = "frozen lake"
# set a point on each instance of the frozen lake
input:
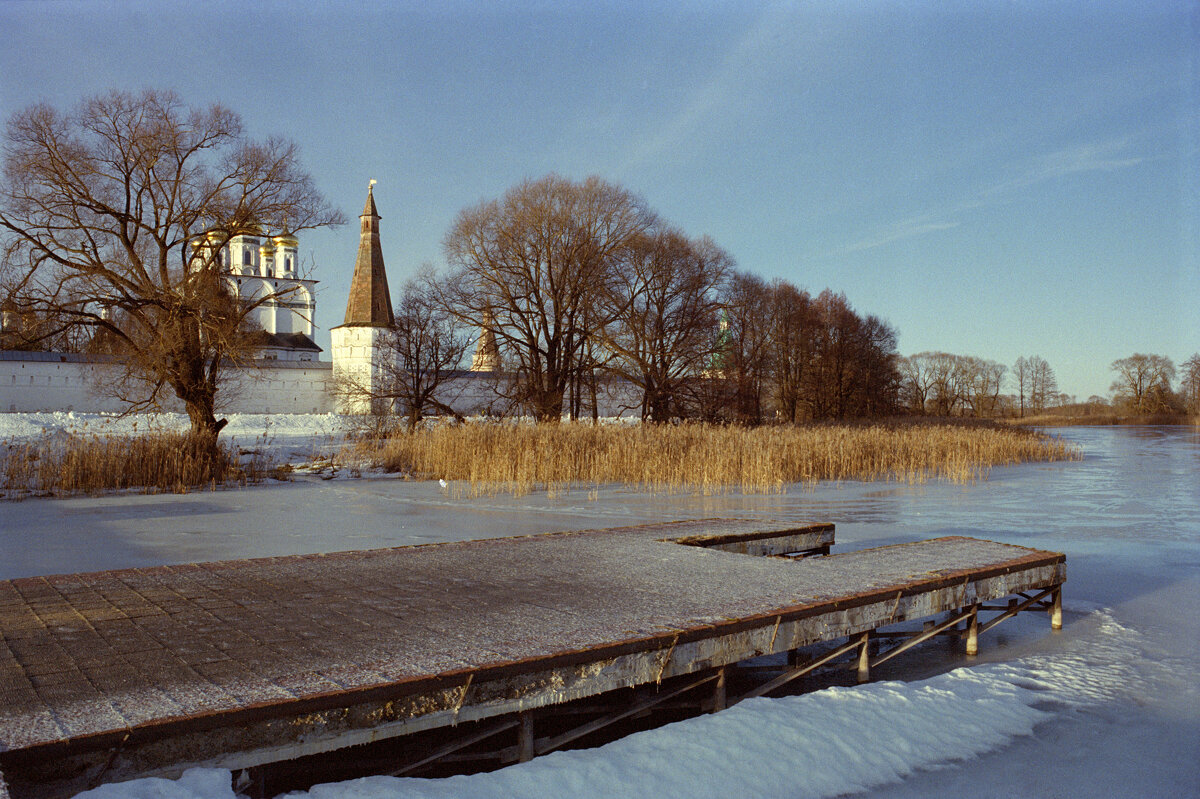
(1113, 701)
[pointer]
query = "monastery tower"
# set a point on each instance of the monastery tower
(487, 353)
(368, 314)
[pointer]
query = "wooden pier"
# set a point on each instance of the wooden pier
(115, 675)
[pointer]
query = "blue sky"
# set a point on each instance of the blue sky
(993, 178)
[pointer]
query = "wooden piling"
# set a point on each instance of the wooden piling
(973, 632)
(864, 657)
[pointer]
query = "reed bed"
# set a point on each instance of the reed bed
(63, 465)
(694, 458)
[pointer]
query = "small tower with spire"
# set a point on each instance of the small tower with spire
(356, 342)
(487, 353)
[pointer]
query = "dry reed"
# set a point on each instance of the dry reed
(694, 458)
(63, 465)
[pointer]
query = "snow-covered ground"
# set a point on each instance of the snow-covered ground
(1109, 707)
(282, 430)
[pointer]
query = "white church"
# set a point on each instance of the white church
(257, 267)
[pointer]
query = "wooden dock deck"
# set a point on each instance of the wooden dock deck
(115, 675)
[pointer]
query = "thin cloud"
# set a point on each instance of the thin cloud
(909, 228)
(1102, 156)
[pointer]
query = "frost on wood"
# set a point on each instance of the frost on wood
(86, 653)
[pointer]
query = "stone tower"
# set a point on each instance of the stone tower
(356, 352)
(487, 353)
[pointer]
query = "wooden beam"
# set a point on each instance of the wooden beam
(787, 677)
(918, 638)
(454, 746)
(719, 691)
(550, 744)
(1013, 610)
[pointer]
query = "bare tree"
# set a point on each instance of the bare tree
(101, 209)
(918, 376)
(946, 378)
(794, 332)
(1190, 386)
(745, 345)
(982, 380)
(1023, 374)
(664, 303)
(1036, 383)
(535, 265)
(854, 363)
(878, 390)
(1043, 383)
(418, 357)
(1143, 382)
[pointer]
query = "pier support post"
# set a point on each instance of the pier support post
(864, 657)
(1056, 609)
(973, 632)
(525, 738)
(719, 698)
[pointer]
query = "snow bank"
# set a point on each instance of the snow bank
(822, 744)
(242, 426)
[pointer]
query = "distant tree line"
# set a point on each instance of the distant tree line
(581, 284)
(944, 384)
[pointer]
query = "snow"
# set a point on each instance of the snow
(1108, 707)
(246, 429)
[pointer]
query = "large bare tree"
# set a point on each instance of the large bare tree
(746, 347)
(1189, 386)
(534, 266)
(113, 215)
(1143, 382)
(854, 367)
(664, 300)
(1037, 385)
(983, 380)
(794, 332)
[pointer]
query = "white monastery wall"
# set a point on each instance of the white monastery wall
(45, 381)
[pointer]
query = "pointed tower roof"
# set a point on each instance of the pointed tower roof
(370, 303)
(487, 353)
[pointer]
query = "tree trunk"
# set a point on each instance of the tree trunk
(204, 421)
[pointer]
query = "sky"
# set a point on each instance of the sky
(998, 179)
